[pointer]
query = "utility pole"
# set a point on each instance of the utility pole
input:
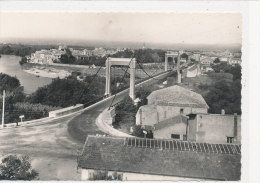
(3, 110)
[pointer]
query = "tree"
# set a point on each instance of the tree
(184, 55)
(224, 95)
(216, 61)
(23, 61)
(138, 131)
(67, 58)
(17, 168)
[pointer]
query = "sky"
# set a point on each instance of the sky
(185, 28)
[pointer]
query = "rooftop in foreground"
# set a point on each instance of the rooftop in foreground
(122, 155)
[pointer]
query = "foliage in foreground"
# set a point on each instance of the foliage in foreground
(17, 168)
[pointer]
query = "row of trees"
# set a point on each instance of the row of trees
(22, 50)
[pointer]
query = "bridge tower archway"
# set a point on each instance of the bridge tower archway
(173, 54)
(131, 62)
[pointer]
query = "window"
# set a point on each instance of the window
(181, 111)
(184, 137)
(230, 139)
(175, 136)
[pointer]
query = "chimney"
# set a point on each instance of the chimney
(222, 111)
(235, 125)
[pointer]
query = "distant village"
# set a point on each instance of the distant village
(49, 57)
(205, 58)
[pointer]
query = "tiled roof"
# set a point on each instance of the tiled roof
(111, 154)
(177, 96)
(171, 121)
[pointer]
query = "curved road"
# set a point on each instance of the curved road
(85, 124)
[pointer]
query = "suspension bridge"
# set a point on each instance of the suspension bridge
(140, 74)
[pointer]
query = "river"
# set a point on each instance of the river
(9, 64)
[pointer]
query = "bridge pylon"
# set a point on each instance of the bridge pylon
(131, 62)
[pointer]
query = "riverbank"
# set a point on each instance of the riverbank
(9, 64)
(41, 71)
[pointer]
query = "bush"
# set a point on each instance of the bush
(17, 168)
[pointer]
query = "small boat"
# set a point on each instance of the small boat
(37, 76)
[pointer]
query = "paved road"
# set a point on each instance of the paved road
(85, 124)
(52, 150)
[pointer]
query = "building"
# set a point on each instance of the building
(234, 61)
(151, 159)
(204, 128)
(172, 128)
(195, 56)
(192, 71)
(206, 61)
(183, 60)
(214, 128)
(46, 56)
(169, 102)
(224, 59)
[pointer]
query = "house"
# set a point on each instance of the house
(204, 128)
(169, 102)
(214, 128)
(206, 61)
(152, 159)
(191, 71)
(195, 56)
(172, 128)
(223, 59)
(183, 60)
(234, 61)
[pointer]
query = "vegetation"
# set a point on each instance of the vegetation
(139, 132)
(223, 94)
(22, 50)
(15, 102)
(69, 91)
(61, 92)
(92, 60)
(216, 61)
(67, 58)
(126, 111)
(124, 54)
(141, 55)
(103, 175)
(17, 168)
(23, 61)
